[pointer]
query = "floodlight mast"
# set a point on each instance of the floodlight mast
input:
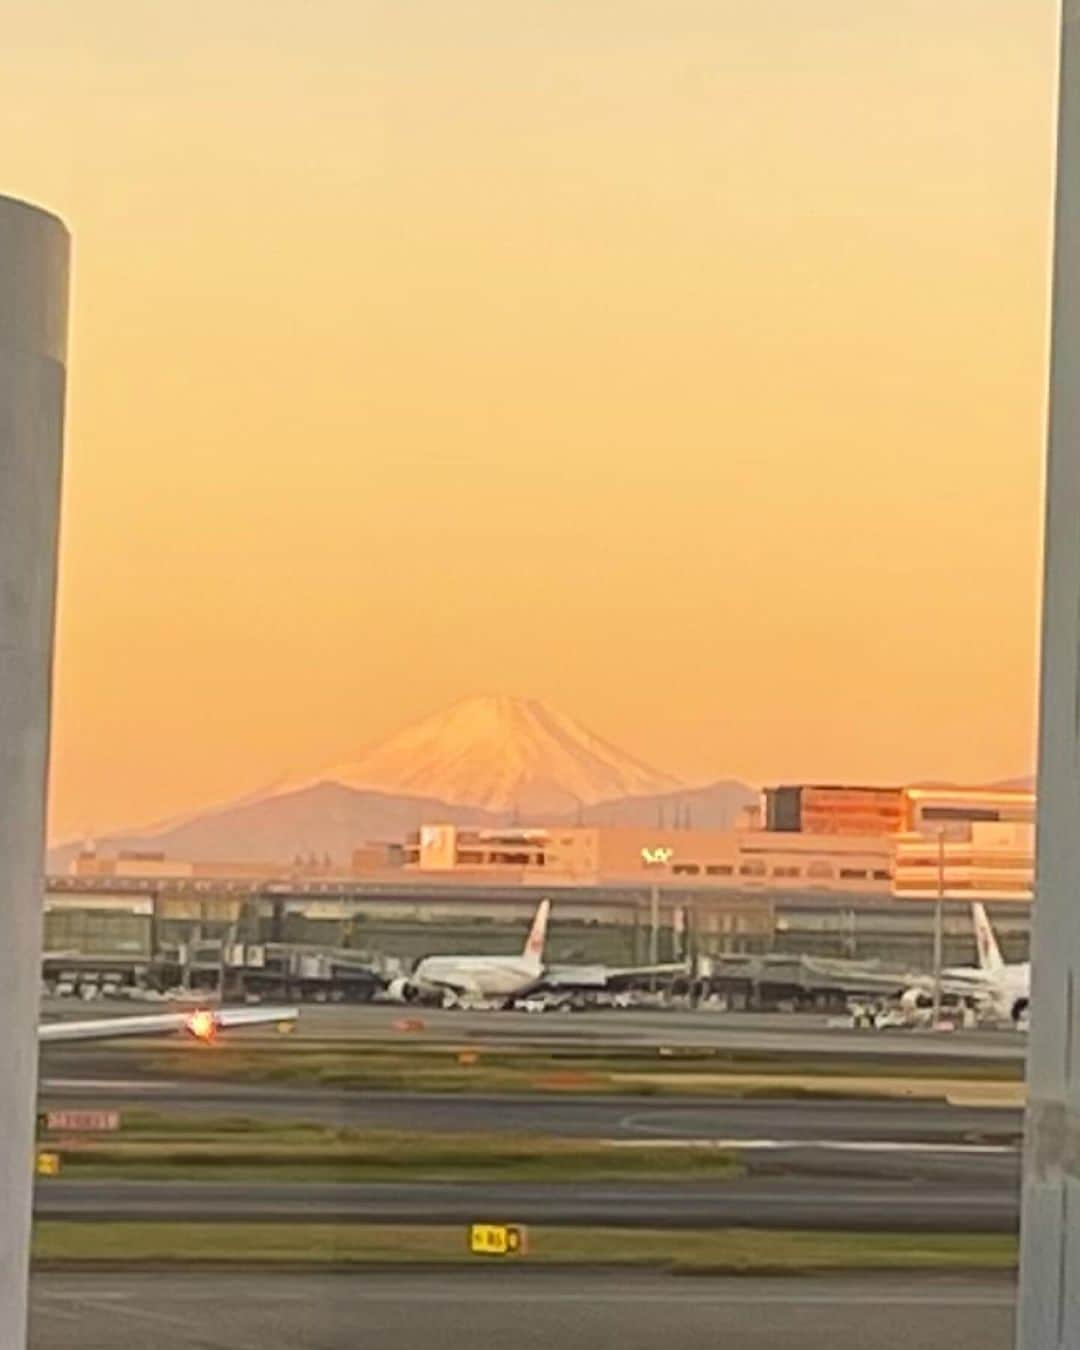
(1049, 1306)
(33, 331)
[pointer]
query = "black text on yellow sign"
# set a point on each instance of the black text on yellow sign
(496, 1239)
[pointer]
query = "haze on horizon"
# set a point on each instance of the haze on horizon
(678, 362)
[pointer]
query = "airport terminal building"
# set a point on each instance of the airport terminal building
(911, 842)
(833, 890)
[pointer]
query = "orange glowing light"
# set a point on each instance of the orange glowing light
(202, 1024)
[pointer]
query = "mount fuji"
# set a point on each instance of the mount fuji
(489, 760)
(502, 754)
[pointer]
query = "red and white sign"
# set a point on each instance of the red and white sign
(84, 1122)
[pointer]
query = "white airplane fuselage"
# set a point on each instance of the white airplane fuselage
(480, 976)
(998, 987)
(1007, 992)
(1002, 994)
(475, 977)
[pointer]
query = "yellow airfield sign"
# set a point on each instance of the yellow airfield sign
(496, 1239)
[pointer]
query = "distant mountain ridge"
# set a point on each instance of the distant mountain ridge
(490, 761)
(326, 818)
(716, 806)
(332, 819)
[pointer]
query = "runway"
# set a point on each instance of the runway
(901, 1204)
(533, 1309)
(578, 1116)
(903, 1164)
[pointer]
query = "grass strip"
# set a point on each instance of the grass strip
(223, 1150)
(419, 1067)
(725, 1251)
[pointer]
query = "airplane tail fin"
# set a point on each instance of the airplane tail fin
(534, 943)
(990, 959)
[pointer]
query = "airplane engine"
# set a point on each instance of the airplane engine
(914, 1000)
(1019, 1010)
(402, 990)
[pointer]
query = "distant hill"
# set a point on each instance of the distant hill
(330, 818)
(326, 818)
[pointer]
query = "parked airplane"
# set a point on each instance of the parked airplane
(999, 987)
(201, 1023)
(479, 977)
(998, 990)
(499, 980)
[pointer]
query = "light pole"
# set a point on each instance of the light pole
(653, 858)
(654, 932)
(939, 926)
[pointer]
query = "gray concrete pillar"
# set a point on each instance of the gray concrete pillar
(33, 324)
(1049, 1315)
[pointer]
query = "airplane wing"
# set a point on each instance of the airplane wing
(859, 976)
(640, 972)
(856, 975)
(603, 977)
(202, 1023)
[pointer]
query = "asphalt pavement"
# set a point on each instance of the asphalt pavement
(939, 1204)
(577, 1115)
(797, 1033)
(794, 1033)
(915, 1165)
(530, 1309)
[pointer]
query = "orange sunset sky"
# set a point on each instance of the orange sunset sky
(678, 361)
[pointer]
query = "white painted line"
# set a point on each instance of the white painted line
(593, 1297)
(79, 1296)
(106, 1085)
(45, 1308)
(835, 1145)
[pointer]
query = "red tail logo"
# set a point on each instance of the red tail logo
(534, 946)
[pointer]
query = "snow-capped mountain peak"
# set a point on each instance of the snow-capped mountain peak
(503, 754)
